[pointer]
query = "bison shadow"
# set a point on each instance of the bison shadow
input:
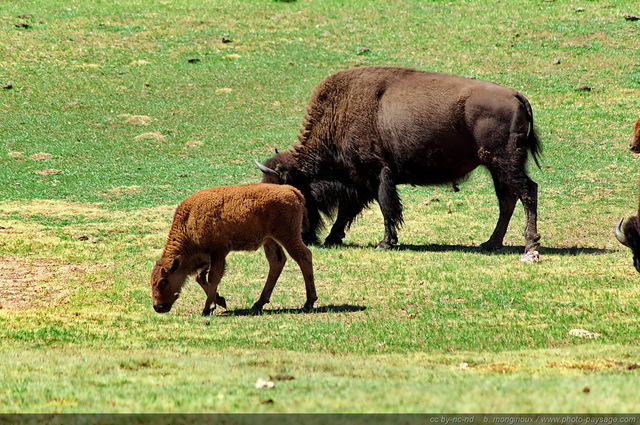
(345, 308)
(507, 250)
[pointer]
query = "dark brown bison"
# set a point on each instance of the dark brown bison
(369, 129)
(628, 234)
(628, 230)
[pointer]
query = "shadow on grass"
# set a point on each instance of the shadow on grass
(345, 308)
(507, 250)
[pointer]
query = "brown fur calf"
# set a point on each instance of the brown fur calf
(635, 139)
(213, 222)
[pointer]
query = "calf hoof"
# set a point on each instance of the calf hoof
(221, 301)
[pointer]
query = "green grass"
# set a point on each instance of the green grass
(435, 325)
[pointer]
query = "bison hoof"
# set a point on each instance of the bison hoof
(256, 309)
(384, 245)
(310, 240)
(491, 246)
(221, 301)
(206, 312)
(308, 307)
(331, 241)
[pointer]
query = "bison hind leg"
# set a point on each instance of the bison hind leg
(391, 207)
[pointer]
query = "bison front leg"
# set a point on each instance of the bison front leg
(215, 275)
(277, 259)
(391, 208)
(347, 213)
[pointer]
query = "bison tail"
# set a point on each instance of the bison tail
(535, 145)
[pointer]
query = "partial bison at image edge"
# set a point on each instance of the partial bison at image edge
(211, 223)
(369, 129)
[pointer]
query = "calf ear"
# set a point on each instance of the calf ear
(174, 265)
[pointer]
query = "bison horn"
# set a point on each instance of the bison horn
(620, 234)
(268, 171)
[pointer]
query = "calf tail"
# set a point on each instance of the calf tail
(306, 225)
(535, 146)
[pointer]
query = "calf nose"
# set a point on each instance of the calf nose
(162, 308)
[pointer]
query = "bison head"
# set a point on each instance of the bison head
(635, 139)
(628, 234)
(283, 168)
(166, 283)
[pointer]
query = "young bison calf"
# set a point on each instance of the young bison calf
(213, 222)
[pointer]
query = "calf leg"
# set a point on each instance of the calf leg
(201, 278)
(216, 271)
(391, 208)
(302, 255)
(275, 255)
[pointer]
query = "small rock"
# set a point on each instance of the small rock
(583, 333)
(630, 17)
(7, 86)
(582, 88)
(193, 60)
(586, 390)
(225, 40)
(263, 383)
(530, 257)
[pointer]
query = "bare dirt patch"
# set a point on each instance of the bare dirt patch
(35, 284)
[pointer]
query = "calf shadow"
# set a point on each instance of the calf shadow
(345, 308)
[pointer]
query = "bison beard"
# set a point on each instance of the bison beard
(369, 129)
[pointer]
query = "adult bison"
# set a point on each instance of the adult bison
(369, 129)
(628, 234)
(628, 229)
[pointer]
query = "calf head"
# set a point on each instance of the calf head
(635, 139)
(628, 234)
(166, 283)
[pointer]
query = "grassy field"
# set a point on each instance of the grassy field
(113, 112)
